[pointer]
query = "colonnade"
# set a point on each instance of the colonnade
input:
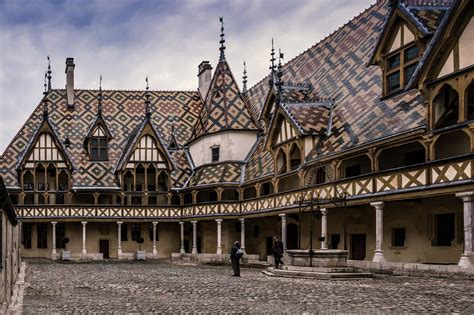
(465, 260)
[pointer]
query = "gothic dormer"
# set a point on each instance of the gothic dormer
(97, 139)
(402, 42)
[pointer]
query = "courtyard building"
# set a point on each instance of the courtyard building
(9, 248)
(374, 124)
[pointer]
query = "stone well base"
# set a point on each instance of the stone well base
(320, 257)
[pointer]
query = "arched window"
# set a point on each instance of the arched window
(452, 144)
(446, 107)
(281, 162)
(266, 189)
(230, 194)
(295, 157)
(250, 192)
(403, 155)
(470, 101)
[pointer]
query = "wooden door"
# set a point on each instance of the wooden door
(104, 248)
(357, 246)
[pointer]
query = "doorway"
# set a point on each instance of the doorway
(104, 248)
(292, 236)
(358, 246)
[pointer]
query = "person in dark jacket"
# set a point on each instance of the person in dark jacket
(235, 255)
(277, 250)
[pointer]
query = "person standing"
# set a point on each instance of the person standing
(235, 254)
(277, 250)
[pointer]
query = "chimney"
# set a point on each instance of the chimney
(70, 82)
(204, 75)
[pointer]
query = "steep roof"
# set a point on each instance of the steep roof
(224, 107)
(123, 112)
(336, 68)
(216, 173)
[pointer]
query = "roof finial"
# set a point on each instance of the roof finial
(49, 74)
(244, 88)
(272, 65)
(147, 99)
(279, 74)
(99, 108)
(45, 100)
(222, 41)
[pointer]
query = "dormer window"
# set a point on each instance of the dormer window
(215, 154)
(400, 66)
(98, 145)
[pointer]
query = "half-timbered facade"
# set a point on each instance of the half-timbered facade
(374, 124)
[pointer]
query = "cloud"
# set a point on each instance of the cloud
(125, 40)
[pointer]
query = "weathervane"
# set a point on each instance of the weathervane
(147, 99)
(272, 65)
(222, 41)
(244, 88)
(99, 108)
(45, 100)
(49, 74)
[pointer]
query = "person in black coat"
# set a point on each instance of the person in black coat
(277, 250)
(235, 255)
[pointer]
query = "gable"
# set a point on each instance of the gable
(44, 150)
(461, 55)
(146, 150)
(286, 132)
(403, 36)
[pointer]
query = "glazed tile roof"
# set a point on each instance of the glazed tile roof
(260, 162)
(336, 68)
(224, 107)
(311, 117)
(122, 111)
(224, 172)
(427, 13)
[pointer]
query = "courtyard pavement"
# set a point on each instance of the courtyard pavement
(138, 287)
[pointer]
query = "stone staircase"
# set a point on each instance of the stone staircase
(335, 273)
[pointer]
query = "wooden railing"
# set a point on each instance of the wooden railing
(429, 176)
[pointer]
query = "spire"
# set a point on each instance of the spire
(99, 107)
(222, 41)
(244, 88)
(147, 99)
(272, 66)
(49, 74)
(45, 95)
(279, 75)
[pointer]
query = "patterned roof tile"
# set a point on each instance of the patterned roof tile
(224, 107)
(122, 111)
(226, 172)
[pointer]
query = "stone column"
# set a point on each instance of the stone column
(182, 250)
(283, 230)
(324, 228)
(195, 249)
(378, 255)
(119, 239)
(219, 237)
(468, 216)
(84, 251)
(155, 252)
(53, 252)
(242, 234)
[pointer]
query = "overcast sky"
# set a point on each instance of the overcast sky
(125, 40)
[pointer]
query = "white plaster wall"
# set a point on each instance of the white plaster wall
(234, 145)
(466, 46)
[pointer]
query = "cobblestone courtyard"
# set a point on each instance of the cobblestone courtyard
(164, 287)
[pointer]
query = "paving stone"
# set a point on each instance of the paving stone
(142, 287)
